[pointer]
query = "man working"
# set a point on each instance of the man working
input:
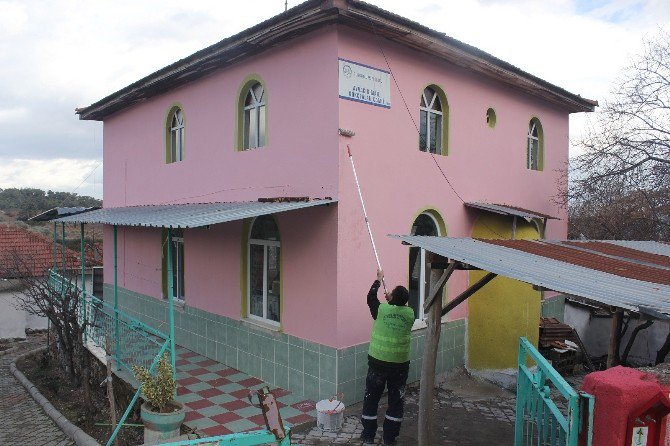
(388, 360)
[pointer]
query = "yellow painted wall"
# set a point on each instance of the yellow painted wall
(505, 308)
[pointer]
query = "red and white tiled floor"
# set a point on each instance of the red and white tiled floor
(215, 397)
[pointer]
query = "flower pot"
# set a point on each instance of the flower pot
(161, 426)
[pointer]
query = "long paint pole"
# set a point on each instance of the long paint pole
(117, 344)
(170, 291)
(365, 214)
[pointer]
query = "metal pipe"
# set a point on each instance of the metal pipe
(62, 284)
(82, 298)
(55, 245)
(117, 343)
(170, 291)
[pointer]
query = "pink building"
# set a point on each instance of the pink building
(277, 290)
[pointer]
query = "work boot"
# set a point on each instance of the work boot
(367, 440)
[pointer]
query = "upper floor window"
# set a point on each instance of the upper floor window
(264, 270)
(535, 143)
(431, 121)
(254, 128)
(175, 135)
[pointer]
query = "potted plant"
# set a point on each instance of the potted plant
(161, 414)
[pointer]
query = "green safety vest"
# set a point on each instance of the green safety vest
(390, 340)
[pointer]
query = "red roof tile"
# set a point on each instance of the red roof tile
(28, 253)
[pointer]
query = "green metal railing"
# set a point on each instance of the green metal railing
(254, 438)
(128, 340)
(539, 421)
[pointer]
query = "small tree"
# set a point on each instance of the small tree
(158, 391)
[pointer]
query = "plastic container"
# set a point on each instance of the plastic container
(329, 415)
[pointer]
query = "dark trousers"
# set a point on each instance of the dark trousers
(375, 383)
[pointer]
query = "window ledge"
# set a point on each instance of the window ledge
(260, 324)
(419, 325)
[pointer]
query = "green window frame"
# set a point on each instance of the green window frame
(433, 120)
(252, 114)
(535, 145)
(175, 134)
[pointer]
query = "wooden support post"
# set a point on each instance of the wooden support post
(432, 309)
(612, 353)
(469, 292)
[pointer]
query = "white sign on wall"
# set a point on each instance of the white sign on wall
(640, 436)
(362, 83)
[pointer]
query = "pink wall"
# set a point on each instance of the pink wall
(302, 124)
(212, 268)
(398, 180)
(327, 264)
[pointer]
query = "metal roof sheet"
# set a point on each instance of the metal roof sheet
(187, 215)
(505, 209)
(603, 287)
(61, 212)
(651, 247)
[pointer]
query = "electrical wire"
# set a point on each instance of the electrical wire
(411, 117)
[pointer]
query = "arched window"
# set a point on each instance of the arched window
(254, 127)
(264, 274)
(535, 145)
(419, 274)
(175, 150)
(431, 121)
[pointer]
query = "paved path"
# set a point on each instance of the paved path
(23, 420)
(466, 413)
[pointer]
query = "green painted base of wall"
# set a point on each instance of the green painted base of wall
(307, 368)
(554, 307)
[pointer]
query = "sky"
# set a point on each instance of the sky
(56, 56)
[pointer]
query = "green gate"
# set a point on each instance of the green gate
(543, 419)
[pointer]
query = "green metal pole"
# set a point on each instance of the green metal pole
(170, 291)
(55, 245)
(117, 344)
(62, 288)
(82, 298)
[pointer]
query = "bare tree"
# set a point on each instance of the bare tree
(60, 302)
(620, 186)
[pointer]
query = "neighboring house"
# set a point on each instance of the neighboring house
(23, 254)
(281, 295)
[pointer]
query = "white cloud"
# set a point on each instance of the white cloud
(71, 175)
(60, 55)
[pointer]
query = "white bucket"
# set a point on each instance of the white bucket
(329, 415)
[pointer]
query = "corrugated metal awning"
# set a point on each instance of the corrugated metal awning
(61, 212)
(611, 281)
(505, 209)
(188, 215)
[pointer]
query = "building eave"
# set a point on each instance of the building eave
(315, 14)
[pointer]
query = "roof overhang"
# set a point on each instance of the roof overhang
(513, 211)
(54, 213)
(514, 260)
(314, 14)
(189, 215)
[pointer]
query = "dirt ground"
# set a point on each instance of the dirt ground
(467, 412)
